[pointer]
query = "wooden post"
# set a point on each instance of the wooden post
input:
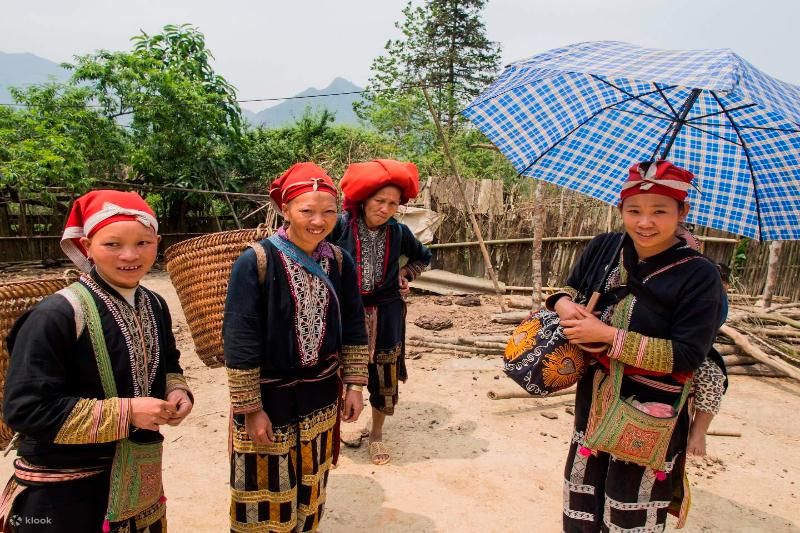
(230, 205)
(772, 272)
(467, 205)
(536, 256)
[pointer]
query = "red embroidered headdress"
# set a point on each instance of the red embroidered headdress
(657, 177)
(97, 209)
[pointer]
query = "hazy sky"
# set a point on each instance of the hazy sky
(273, 49)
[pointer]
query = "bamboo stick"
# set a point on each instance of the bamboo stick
(467, 205)
(492, 395)
(756, 370)
(493, 341)
(512, 317)
(738, 360)
(723, 433)
(727, 349)
(776, 317)
(456, 347)
(757, 353)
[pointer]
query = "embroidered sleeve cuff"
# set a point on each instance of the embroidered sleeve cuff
(177, 381)
(245, 390)
(643, 352)
(94, 421)
(553, 298)
(413, 269)
(354, 364)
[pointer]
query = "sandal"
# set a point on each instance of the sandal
(379, 453)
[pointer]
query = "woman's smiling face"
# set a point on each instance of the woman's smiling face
(123, 252)
(651, 221)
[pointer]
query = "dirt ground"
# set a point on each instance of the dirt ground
(462, 462)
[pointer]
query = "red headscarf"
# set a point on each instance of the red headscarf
(657, 177)
(97, 209)
(300, 178)
(362, 180)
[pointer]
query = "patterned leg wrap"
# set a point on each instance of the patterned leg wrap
(383, 378)
(281, 486)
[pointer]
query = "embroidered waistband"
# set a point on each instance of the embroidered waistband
(322, 375)
(24, 471)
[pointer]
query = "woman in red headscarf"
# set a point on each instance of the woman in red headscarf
(294, 334)
(93, 374)
(373, 191)
(658, 313)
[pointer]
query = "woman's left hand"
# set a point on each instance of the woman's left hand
(182, 404)
(405, 290)
(588, 329)
(353, 405)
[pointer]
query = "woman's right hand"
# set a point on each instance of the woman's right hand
(259, 427)
(567, 309)
(149, 413)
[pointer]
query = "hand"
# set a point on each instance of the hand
(567, 309)
(405, 290)
(259, 427)
(353, 405)
(587, 329)
(181, 404)
(149, 413)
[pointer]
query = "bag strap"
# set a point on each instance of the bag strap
(91, 317)
(261, 261)
(337, 252)
(617, 371)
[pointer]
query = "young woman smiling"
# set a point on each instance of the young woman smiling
(658, 314)
(93, 374)
(293, 333)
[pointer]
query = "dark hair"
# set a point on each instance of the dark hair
(724, 273)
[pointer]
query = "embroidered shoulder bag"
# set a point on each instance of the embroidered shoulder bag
(619, 428)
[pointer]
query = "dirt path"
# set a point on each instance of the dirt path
(462, 462)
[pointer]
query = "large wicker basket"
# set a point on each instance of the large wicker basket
(199, 269)
(16, 298)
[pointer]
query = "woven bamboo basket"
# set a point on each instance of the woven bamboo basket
(199, 269)
(16, 298)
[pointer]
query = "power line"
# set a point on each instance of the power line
(269, 99)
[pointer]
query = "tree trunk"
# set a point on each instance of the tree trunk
(772, 272)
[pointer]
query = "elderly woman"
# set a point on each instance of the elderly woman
(659, 313)
(293, 333)
(373, 191)
(93, 374)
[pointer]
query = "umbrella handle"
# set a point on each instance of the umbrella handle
(593, 347)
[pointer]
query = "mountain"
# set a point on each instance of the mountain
(289, 111)
(18, 70)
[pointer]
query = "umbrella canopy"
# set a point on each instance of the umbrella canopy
(581, 115)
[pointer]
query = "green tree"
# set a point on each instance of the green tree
(443, 46)
(56, 139)
(312, 138)
(184, 121)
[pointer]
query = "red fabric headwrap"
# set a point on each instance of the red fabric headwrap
(657, 177)
(97, 209)
(300, 178)
(362, 180)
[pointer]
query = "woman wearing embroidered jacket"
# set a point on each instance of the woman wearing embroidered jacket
(659, 314)
(373, 191)
(293, 333)
(93, 374)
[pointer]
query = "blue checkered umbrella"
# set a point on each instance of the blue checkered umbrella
(579, 116)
